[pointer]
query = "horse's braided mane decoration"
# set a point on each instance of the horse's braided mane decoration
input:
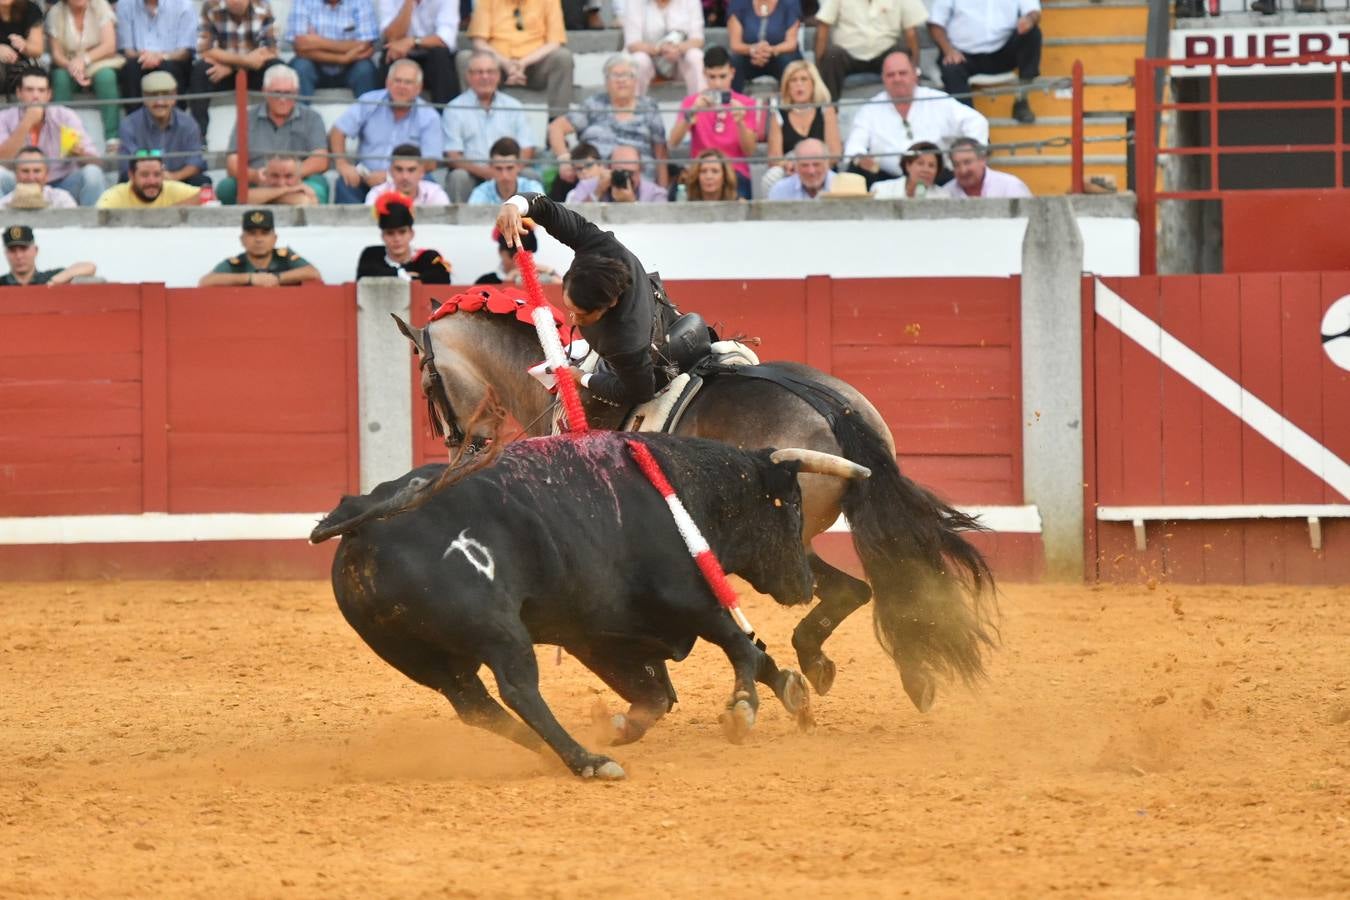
(501, 300)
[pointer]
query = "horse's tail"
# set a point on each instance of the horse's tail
(934, 606)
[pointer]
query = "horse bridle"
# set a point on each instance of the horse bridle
(439, 408)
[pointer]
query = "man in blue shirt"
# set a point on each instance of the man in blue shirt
(381, 120)
(477, 119)
(160, 126)
(155, 35)
(506, 180)
(334, 44)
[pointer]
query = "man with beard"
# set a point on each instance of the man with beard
(263, 263)
(148, 188)
(21, 252)
(398, 258)
(380, 122)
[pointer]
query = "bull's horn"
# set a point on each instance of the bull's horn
(821, 463)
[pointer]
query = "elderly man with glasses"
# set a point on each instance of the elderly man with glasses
(527, 39)
(477, 119)
(901, 114)
(279, 126)
(380, 121)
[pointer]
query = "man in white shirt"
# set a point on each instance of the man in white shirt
(902, 115)
(986, 38)
(856, 35)
(425, 31)
(974, 178)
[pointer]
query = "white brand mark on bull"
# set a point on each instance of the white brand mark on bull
(478, 556)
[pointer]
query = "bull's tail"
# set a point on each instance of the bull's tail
(353, 512)
(391, 498)
(935, 609)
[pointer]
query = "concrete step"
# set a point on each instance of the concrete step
(1008, 132)
(1059, 101)
(1049, 176)
(1095, 20)
(1100, 56)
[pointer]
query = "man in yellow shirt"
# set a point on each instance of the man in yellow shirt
(148, 188)
(527, 39)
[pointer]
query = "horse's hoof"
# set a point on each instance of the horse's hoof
(921, 687)
(820, 672)
(738, 719)
(608, 770)
(793, 692)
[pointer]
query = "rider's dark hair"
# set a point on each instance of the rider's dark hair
(594, 282)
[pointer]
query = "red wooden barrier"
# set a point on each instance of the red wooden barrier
(1161, 439)
(940, 358)
(129, 398)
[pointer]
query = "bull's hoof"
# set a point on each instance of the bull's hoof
(738, 719)
(792, 691)
(920, 686)
(608, 770)
(797, 699)
(606, 729)
(820, 672)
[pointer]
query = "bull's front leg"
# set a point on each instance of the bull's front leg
(517, 673)
(743, 707)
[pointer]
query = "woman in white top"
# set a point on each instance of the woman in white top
(922, 165)
(84, 55)
(663, 37)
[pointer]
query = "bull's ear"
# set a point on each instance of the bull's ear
(408, 333)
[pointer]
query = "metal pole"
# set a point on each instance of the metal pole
(241, 131)
(1145, 167)
(1076, 135)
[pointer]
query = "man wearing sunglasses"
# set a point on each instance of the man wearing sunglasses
(902, 114)
(526, 38)
(159, 125)
(148, 187)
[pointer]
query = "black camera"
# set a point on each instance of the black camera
(620, 178)
(726, 97)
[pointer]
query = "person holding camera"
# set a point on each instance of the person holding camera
(720, 119)
(622, 182)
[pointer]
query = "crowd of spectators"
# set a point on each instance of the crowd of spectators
(424, 138)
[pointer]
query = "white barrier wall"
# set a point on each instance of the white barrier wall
(852, 242)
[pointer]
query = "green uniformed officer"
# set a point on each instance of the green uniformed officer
(263, 263)
(21, 252)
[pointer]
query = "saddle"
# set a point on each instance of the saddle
(689, 355)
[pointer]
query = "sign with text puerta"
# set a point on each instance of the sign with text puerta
(1247, 43)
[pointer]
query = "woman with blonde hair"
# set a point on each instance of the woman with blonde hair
(710, 177)
(804, 111)
(85, 57)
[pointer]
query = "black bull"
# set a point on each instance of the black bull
(563, 541)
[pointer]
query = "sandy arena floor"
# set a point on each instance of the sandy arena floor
(238, 740)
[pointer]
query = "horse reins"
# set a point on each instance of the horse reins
(438, 398)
